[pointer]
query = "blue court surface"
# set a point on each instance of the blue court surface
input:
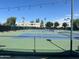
(47, 34)
(28, 40)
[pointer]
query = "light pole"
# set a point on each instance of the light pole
(44, 23)
(71, 37)
(23, 22)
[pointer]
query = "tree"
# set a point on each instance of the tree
(56, 24)
(37, 20)
(10, 21)
(49, 25)
(76, 24)
(64, 25)
(42, 24)
(31, 21)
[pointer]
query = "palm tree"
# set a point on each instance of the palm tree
(42, 24)
(23, 20)
(37, 20)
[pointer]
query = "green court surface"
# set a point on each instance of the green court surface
(26, 44)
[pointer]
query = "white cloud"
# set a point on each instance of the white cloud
(66, 19)
(75, 16)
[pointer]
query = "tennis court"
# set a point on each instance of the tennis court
(40, 40)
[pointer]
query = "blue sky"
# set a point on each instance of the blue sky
(52, 10)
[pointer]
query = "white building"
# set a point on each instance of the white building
(28, 24)
(34, 24)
